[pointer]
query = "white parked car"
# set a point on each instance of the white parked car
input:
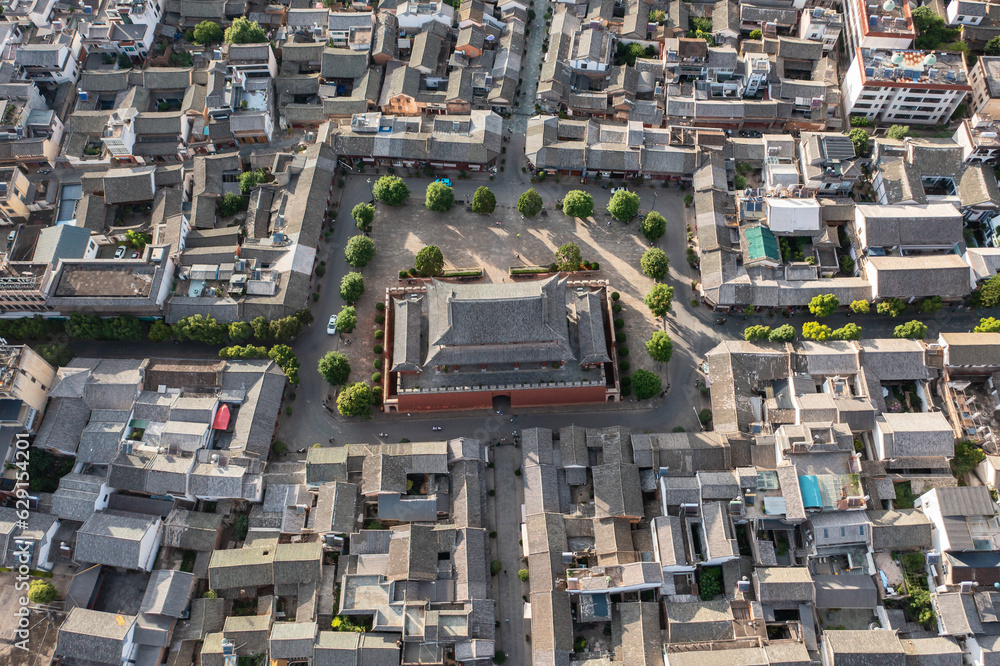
(120, 252)
(331, 326)
(615, 190)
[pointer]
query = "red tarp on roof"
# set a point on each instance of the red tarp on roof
(221, 418)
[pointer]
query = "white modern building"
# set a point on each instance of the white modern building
(821, 25)
(879, 24)
(909, 87)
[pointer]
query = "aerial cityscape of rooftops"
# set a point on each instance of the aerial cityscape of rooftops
(658, 332)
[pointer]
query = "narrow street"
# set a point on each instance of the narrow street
(508, 588)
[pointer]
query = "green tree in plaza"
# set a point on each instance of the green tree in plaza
(360, 251)
(230, 204)
(897, 132)
(429, 260)
(160, 332)
(200, 329)
(987, 294)
(529, 204)
(41, 592)
(484, 201)
(138, 239)
(654, 263)
(364, 215)
(251, 179)
(352, 286)
(660, 347)
(347, 319)
(578, 203)
(859, 137)
(646, 384)
(568, 258)
(391, 190)
(930, 305)
(355, 400)
(659, 300)
(860, 306)
(623, 205)
(440, 197)
(654, 226)
(335, 368)
(284, 358)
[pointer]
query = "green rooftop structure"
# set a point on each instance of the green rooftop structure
(762, 245)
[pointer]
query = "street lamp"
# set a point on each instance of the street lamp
(371, 190)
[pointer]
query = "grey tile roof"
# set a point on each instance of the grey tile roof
(129, 184)
(412, 554)
(64, 421)
(616, 491)
(407, 322)
(168, 593)
(470, 323)
(699, 621)
(847, 591)
(346, 649)
(957, 614)
(904, 529)
(113, 538)
(51, 56)
(292, 640)
(241, 568)
(192, 530)
(296, 563)
(965, 501)
(919, 276)
(641, 640)
(94, 636)
(100, 441)
(972, 348)
(343, 64)
(889, 226)
(541, 489)
(337, 508)
(932, 651)
(917, 434)
(669, 541)
(63, 241)
(76, 496)
(864, 648)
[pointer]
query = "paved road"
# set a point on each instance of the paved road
(508, 588)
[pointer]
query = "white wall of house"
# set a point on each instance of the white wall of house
(954, 18)
(149, 545)
(45, 547)
(929, 505)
